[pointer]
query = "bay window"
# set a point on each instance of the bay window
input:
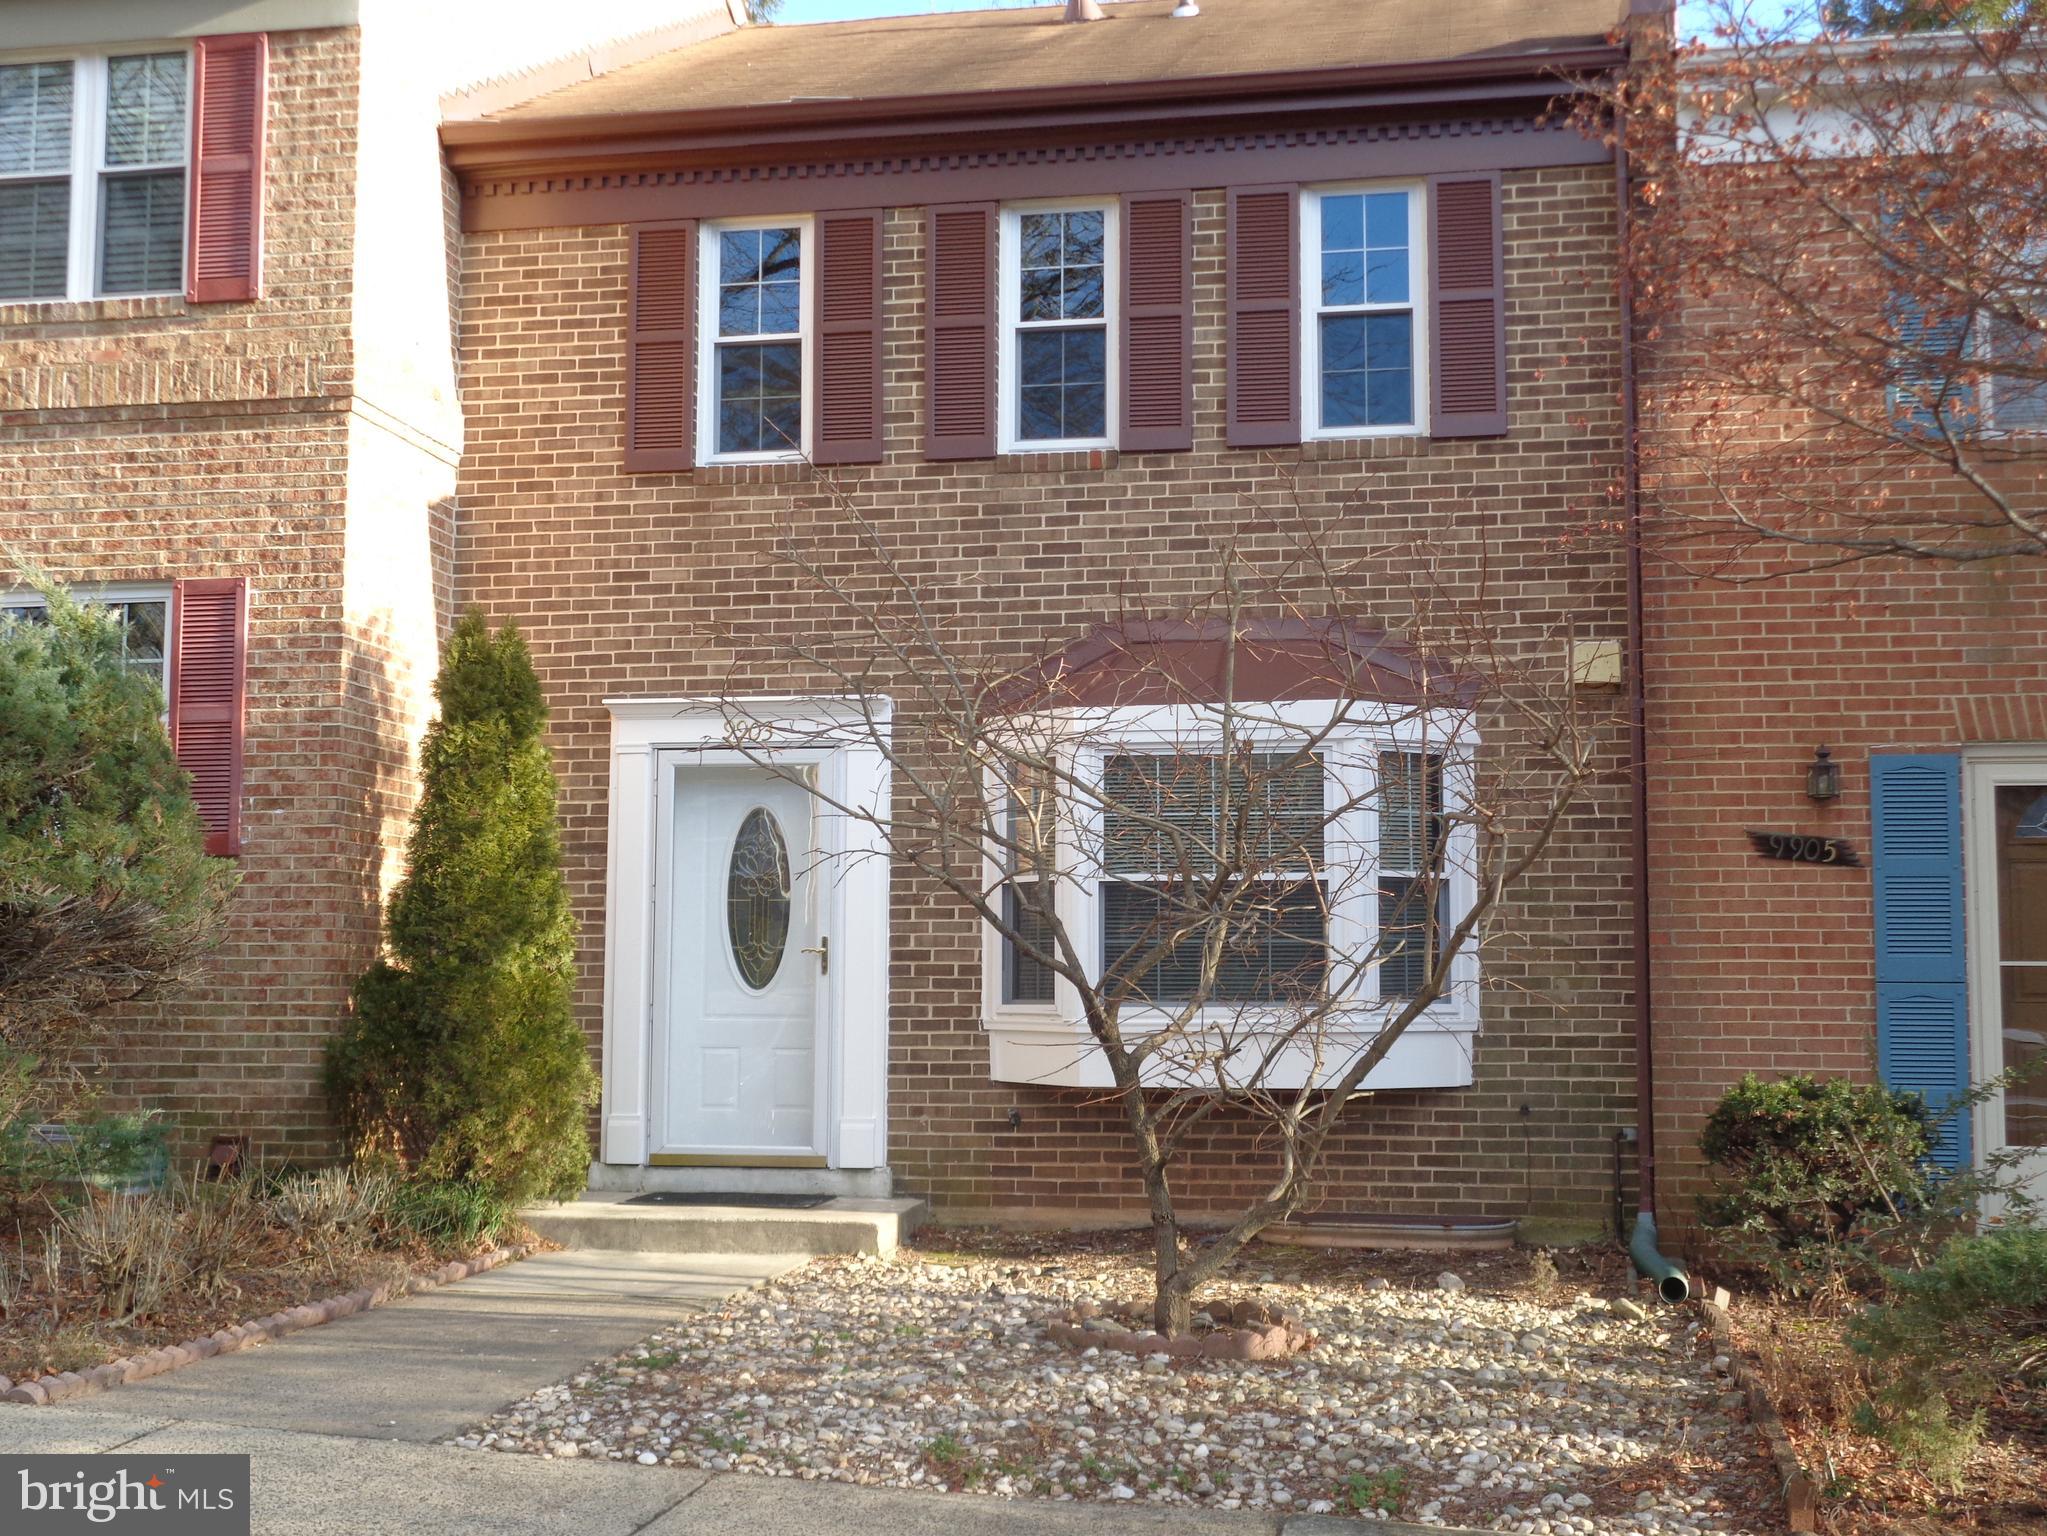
(1301, 872)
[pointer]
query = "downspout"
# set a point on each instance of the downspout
(1672, 1283)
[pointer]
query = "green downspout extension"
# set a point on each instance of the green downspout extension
(1672, 1283)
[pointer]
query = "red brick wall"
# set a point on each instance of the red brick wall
(620, 583)
(147, 439)
(1765, 966)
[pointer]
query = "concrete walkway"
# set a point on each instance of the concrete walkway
(341, 1422)
(431, 1365)
(334, 1485)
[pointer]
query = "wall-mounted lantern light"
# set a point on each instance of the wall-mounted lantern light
(1822, 776)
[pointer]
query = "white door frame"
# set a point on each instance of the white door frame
(838, 745)
(1983, 770)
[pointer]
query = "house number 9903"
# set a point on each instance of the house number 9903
(1800, 848)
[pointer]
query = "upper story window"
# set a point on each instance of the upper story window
(92, 175)
(1365, 337)
(756, 347)
(1058, 312)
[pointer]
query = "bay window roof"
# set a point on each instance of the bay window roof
(1270, 660)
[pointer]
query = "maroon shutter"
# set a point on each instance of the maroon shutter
(1265, 316)
(660, 405)
(959, 369)
(225, 255)
(1467, 308)
(845, 389)
(1158, 322)
(209, 638)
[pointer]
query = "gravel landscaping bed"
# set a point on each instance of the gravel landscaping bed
(1496, 1403)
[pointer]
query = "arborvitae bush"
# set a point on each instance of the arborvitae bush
(464, 1060)
(106, 892)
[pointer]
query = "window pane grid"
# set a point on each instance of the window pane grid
(1062, 367)
(759, 381)
(1365, 316)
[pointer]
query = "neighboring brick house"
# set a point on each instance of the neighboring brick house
(641, 348)
(227, 400)
(591, 447)
(1890, 924)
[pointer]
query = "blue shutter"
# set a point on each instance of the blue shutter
(1922, 993)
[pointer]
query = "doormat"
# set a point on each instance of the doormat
(765, 1202)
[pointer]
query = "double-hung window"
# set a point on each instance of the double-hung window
(92, 175)
(145, 619)
(1365, 341)
(1336, 871)
(1058, 314)
(755, 352)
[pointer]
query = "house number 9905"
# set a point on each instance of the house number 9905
(1800, 848)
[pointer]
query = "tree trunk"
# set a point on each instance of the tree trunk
(1172, 1310)
(1173, 1294)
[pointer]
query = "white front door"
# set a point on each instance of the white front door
(2006, 869)
(738, 1059)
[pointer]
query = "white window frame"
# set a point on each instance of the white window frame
(1313, 309)
(1008, 286)
(1049, 1041)
(88, 169)
(708, 338)
(108, 593)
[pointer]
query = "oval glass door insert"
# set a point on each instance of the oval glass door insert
(757, 898)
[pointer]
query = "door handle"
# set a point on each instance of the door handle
(823, 951)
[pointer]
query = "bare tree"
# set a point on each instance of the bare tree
(1840, 268)
(1242, 849)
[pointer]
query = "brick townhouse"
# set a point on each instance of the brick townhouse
(1305, 259)
(228, 403)
(1847, 760)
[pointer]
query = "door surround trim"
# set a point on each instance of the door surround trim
(1983, 770)
(841, 742)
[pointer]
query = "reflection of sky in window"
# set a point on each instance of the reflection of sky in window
(759, 292)
(1059, 259)
(2032, 820)
(1364, 249)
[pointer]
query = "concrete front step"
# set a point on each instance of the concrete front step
(603, 1219)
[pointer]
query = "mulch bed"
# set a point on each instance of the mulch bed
(1815, 1381)
(44, 1333)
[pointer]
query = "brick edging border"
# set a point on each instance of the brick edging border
(1801, 1493)
(64, 1385)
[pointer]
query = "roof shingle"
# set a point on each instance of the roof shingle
(1020, 49)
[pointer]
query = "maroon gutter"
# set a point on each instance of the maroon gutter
(1638, 698)
(496, 143)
